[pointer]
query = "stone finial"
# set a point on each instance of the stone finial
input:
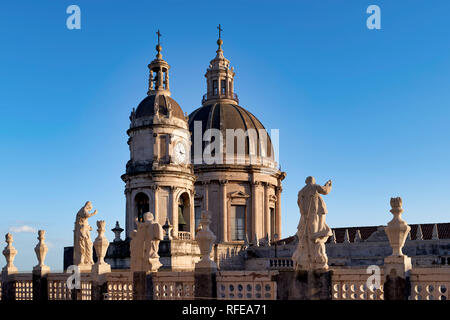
(117, 231)
(205, 239)
(419, 234)
(333, 237)
(101, 245)
(397, 229)
(397, 264)
(10, 253)
(435, 235)
(346, 237)
(357, 236)
(41, 250)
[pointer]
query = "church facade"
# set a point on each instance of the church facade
(219, 159)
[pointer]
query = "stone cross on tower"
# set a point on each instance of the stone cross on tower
(159, 36)
(220, 30)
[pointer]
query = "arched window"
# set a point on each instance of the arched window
(183, 213)
(142, 205)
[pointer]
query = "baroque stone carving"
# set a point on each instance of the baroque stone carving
(312, 232)
(101, 245)
(82, 246)
(10, 253)
(205, 239)
(145, 244)
(397, 264)
(41, 250)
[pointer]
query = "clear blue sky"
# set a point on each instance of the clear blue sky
(368, 109)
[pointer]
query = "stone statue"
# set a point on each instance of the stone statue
(145, 244)
(312, 232)
(82, 246)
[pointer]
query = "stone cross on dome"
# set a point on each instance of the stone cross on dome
(220, 30)
(159, 36)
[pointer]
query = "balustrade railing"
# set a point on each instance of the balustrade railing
(246, 285)
(183, 235)
(119, 286)
(351, 284)
(430, 283)
(173, 286)
(281, 263)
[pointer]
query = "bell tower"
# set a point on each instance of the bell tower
(220, 78)
(159, 176)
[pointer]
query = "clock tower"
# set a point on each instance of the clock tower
(159, 176)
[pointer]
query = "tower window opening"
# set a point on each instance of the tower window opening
(142, 206)
(198, 216)
(215, 87)
(223, 87)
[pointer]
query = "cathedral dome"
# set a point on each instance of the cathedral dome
(223, 116)
(165, 103)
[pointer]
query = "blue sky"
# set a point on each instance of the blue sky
(368, 109)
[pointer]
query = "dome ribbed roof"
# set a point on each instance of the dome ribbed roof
(147, 107)
(224, 116)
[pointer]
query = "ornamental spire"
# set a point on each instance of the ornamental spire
(159, 72)
(220, 77)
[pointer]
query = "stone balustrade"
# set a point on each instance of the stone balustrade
(246, 285)
(430, 283)
(173, 286)
(57, 287)
(183, 235)
(281, 263)
(351, 284)
(119, 286)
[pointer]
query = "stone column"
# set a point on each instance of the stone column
(278, 212)
(397, 266)
(129, 221)
(156, 202)
(8, 290)
(174, 210)
(192, 214)
(256, 222)
(266, 211)
(40, 271)
(223, 210)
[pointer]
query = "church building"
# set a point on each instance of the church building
(168, 175)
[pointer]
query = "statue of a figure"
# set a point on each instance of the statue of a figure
(145, 244)
(312, 232)
(82, 245)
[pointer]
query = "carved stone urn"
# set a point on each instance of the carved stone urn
(205, 239)
(101, 245)
(41, 250)
(397, 229)
(10, 253)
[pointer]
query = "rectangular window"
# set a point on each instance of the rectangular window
(237, 221)
(223, 87)
(198, 216)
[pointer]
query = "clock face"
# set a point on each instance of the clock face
(180, 152)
